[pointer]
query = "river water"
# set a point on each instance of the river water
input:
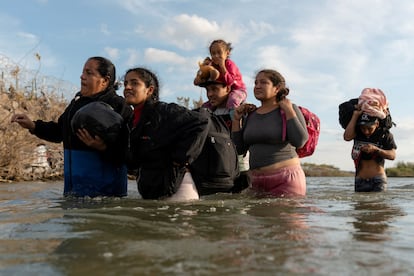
(333, 231)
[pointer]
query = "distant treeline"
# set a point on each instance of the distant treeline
(324, 170)
(402, 169)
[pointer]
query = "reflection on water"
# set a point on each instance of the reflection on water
(220, 235)
(331, 231)
(373, 218)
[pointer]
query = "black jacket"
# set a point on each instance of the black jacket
(89, 172)
(167, 138)
(61, 131)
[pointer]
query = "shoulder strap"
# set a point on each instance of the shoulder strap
(282, 113)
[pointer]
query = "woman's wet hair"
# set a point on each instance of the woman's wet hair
(278, 80)
(106, 69)
(149, 78)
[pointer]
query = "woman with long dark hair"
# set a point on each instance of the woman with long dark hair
(274, 164)
(164, 139)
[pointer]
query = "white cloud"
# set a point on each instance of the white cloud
(188, 32)
(113, 53)
(132, 57)
(162, 56)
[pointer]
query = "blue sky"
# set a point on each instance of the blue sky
(328, 50)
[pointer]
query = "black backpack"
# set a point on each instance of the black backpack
(99, 118)
(346, 109)
(216, 168)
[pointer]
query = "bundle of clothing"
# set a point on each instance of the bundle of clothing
(373, 102)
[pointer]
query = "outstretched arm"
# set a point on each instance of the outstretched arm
(24, 121)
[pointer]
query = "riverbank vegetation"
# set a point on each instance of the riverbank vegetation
(20, 154)
(324, 170)
(402, 169)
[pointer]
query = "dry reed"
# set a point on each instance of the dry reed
(17, 147)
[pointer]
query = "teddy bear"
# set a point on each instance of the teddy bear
(206, 72)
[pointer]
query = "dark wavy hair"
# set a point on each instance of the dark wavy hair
(106, 69)
(278, 80)
(150, 79)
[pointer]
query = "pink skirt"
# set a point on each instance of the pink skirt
(289, 181)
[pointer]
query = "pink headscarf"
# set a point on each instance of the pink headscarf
(373, 102)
